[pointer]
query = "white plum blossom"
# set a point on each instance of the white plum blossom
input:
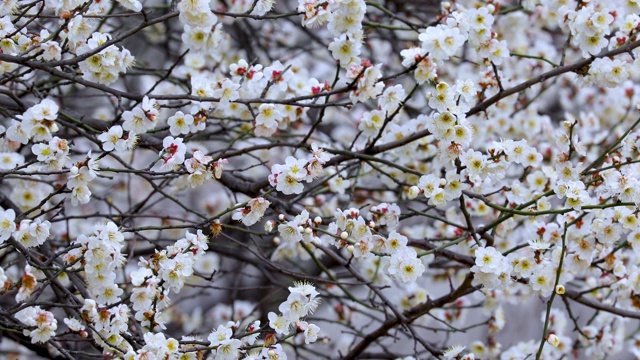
(165, 175)
(267, 119)
(7, 223)
(112, 139)
(253, 212)
(105, 66)
(287, 177)
(442, 42)
(405, 266)
(173, 152)
(180, 123)
(43, 322)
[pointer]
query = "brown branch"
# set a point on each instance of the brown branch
(412, 314)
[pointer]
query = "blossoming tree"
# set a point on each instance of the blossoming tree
(339, 179)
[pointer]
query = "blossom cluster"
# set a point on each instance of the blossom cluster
(167, 171)
(166, 271)
(80, 175)
(102, 256)
(104, 64)
(302, 301)
(44, 322)
(38, 123)
(287, 177)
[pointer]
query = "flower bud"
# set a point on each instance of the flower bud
(74, 170)
(66, 15)
(350, 248)
(308, 230)
(269, 225)
(281, 217)
(344, 235)
(553, 340)
(269, 340)
(216, 228)
(317, 221)
(442, 87)
(413, 192)
(276, 241)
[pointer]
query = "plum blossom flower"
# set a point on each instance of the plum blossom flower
(253, 212)
(173, 152)
(286, 178)
(405, 266)
(441, 42)
(227, 92)
(318, 159)
(345, 49)
(267, 120)
(278, 323)
(9, 160)
(311, 333)
(391, 98)
(7, 223)
(180, 123)
(111, 138)
(44, 322)
(220, 335)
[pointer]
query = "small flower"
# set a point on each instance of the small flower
(227, 92)
(220, 335)
(488, 259)
(391, 98)
(278, 323)
(173, 152)
(73, 324)
(110, 138)
(267, 120)
(345, 49)
(253, 212)
(553, 340)
(7, 224)
(311, 333)
(405, 266)
(180, 123)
